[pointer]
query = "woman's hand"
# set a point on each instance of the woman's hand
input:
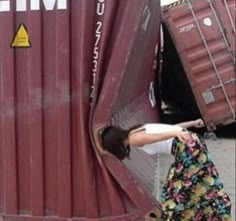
(198, 123)
(193, 123)
(183, 136)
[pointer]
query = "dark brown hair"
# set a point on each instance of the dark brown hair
(113, 141)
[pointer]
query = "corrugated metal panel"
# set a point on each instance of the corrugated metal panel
(133, 92)
(61, 66)
(201, 35)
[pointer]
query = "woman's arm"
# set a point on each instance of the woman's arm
(141, 138)
(194, 123)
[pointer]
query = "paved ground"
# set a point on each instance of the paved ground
(223, 154)
(222, 151)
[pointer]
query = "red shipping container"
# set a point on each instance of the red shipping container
(226, 10)
(68, 68)
(205, 41)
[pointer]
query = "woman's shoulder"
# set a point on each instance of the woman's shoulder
(136, 129)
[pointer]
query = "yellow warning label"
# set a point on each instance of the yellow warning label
(21, 39)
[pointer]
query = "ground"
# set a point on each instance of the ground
(222, 150)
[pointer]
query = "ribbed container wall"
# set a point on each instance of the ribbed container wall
(56, 58)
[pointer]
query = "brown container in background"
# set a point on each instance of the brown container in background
(203, 34)
(68, 68)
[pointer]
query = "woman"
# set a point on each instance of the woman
(193, 190)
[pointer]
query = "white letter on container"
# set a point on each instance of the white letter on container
(50, 4)
(62, 4)
(20, 5)
(100, 7)
(4, 6)
(34, 5)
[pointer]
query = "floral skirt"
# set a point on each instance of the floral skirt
(193, 190)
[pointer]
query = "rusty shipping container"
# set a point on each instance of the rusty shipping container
(68, 68)
(203, 33)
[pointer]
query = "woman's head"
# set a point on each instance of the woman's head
(115, 140)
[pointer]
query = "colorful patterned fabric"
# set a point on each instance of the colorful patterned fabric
(193, 190)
